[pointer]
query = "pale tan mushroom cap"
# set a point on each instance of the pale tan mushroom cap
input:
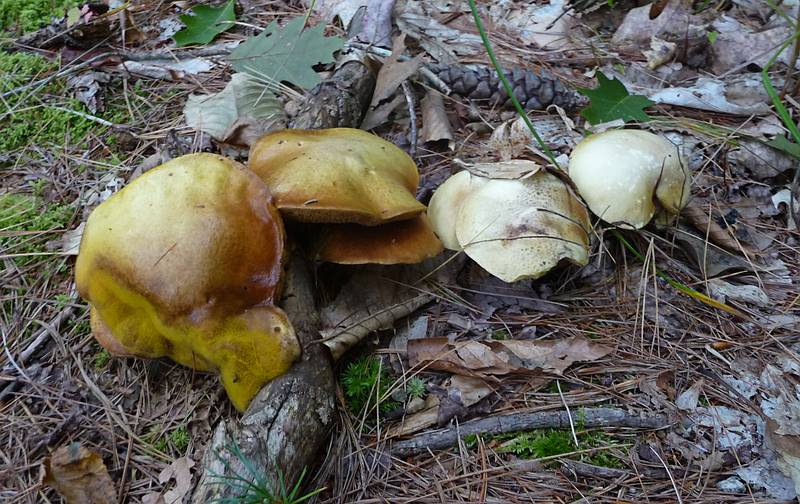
(338, 175)
(620, 174)
(446, 202)
(402, 242)
(517, 229)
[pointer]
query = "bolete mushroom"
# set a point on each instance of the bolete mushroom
(623, 175)
(185, 262)
(514, 228)
(341, 175)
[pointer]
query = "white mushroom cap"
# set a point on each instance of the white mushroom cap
(445, 203)
(517, 229)
(621, 173)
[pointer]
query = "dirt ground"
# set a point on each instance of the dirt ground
(694, 321)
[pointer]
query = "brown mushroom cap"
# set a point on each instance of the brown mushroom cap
(185, 262)
(402, 242)
(338, 175)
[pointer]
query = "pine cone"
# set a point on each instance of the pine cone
(534, 90)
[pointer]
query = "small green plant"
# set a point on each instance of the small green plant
(80, 327)
(179, 438)
(100, 359)
(416, 388)
(500, 335)
(539, 444)
(253, 487)
(365, 383)
(62, 300)
(38, 187)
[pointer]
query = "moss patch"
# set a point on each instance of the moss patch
(37, 116)
(21, 216)
(28, 15)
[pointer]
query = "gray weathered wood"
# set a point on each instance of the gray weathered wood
(589, 417)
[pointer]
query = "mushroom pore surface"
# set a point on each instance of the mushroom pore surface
(185, 262)
(622, 173)
(338, 175)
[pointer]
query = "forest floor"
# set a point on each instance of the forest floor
(88, 105)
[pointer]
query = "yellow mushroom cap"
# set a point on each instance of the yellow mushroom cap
(338, 175)
(185, 262)
(517, 229)
(622, 173)
(402, 242)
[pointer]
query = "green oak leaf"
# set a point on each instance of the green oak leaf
(611, 101)
(782, 144)
(207, 23)
(286, 54)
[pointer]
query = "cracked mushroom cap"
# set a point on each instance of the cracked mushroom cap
(518, 229)
(403, 242)
(185, 262)
(623, 174)
(338, 175)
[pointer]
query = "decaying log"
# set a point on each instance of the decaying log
(590, 417)
(287, 423)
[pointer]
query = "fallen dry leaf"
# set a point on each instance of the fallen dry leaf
(239, 114)
(79, 476)
(391, 75)
(503, 357)
(435, 124)
(179, 470)
(466, 390)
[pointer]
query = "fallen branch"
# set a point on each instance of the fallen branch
(590, 417)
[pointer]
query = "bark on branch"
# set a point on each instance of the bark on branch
(589, 417)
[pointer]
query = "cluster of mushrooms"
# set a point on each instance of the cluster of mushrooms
(186, 261)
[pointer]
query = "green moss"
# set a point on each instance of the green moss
(28, 15)
(28, 214)
(542, 443)
(37, 116)
(177, 439)
(416, 388)
(101, 358)
(364, 382)
(539, 443)
(180, 439)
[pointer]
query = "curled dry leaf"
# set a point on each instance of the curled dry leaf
(468, 389)
(239, 114)
(435, 123)
(374, 298)
(79, 476)
(391, 75)
(482, 358)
